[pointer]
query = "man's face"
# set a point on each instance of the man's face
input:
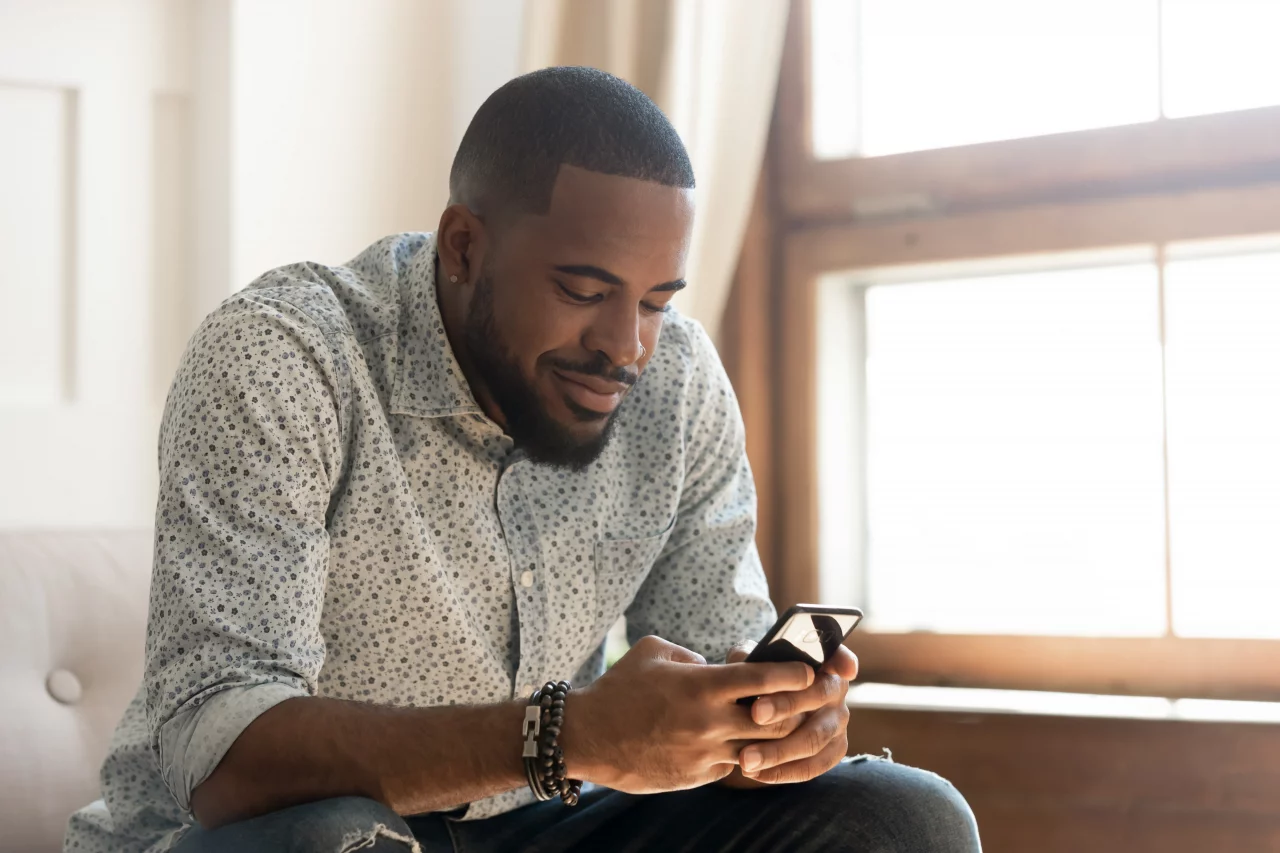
(568, 307)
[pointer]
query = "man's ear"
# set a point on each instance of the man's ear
(461, 240)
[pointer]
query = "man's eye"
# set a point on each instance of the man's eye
(579, 297)
(655, 309)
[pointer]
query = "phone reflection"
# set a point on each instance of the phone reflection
(813, 637)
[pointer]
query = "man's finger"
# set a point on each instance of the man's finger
(843, 663)
(742, 727)
(825, 690)
(659, 649)
(736, 680)
(739, 652)
(805, 742)
(804, 769)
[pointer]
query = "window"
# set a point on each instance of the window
(905, 75)
(1029, 411)
(1223, 362)
(1014, 422)
(1015, 435)
(1219, 55)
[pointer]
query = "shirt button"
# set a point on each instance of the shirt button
(526, 579)
(526, 689)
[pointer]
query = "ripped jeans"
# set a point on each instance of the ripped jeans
(868, 805)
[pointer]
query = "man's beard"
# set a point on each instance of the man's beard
(529, 424)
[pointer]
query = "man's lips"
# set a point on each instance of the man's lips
(592, 392)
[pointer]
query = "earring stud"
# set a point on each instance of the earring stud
(453, 278)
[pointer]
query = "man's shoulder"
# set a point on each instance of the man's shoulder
(684, 383)
(685, 350)
(360, 298)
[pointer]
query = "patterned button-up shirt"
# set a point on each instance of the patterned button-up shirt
(337, 517)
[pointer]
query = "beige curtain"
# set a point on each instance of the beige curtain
(712, 66)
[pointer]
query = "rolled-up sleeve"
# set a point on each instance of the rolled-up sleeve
(250, 454)
(707, 589)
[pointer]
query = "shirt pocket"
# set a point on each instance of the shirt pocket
(621, 567)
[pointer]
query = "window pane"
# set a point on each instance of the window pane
(1015, 475)
(1220, 55)
(935, 73)
(833, 42)
(1223, 363)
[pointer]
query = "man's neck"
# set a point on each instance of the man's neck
(453, 303)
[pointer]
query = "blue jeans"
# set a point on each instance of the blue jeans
(868, 805)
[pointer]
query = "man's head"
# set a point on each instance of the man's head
(567, 230)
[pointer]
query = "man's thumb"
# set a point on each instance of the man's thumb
(660, 649)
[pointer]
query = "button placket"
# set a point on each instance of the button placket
(522, 545)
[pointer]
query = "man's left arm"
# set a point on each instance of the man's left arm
(707, 590)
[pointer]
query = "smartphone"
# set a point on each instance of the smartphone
(809, 633)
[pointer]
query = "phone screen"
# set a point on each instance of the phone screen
(807, 637)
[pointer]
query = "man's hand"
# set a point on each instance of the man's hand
(662, 719)
(818, 716)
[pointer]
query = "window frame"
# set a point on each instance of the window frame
(1207, 177)
(1232, 148)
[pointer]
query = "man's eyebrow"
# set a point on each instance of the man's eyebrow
(589, 271)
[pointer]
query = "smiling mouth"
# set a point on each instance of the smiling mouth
(596, 395)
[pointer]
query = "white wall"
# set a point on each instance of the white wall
(345, 117)
(157, 155)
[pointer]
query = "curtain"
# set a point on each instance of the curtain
(712, 66)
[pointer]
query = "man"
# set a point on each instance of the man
(398, 496)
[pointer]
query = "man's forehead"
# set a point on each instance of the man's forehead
(595, 209)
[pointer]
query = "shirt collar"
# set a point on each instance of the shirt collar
(429, 381)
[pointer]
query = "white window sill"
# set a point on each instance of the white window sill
(1059, 704)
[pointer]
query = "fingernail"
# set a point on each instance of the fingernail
(751, 760)
(763, 711)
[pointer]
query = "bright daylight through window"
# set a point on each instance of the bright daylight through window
(1015, 428)
(890, 76)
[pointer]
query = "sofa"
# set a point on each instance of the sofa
(73, 613)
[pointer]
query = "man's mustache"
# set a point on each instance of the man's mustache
(598, 366)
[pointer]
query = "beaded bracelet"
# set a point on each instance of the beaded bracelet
(544, 767)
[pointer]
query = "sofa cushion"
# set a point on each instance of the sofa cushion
(73, 611)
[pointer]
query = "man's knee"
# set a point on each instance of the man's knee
(328, 826)
(356, 823)
(909, 808)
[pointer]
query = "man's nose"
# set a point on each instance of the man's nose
(616, 334)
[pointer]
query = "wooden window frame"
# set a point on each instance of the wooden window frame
(1233, 148)
(1170, 180)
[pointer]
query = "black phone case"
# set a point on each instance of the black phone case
(771, 650)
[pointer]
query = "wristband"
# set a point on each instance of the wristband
(544, 767)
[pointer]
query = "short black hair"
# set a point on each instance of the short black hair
(513, 149)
